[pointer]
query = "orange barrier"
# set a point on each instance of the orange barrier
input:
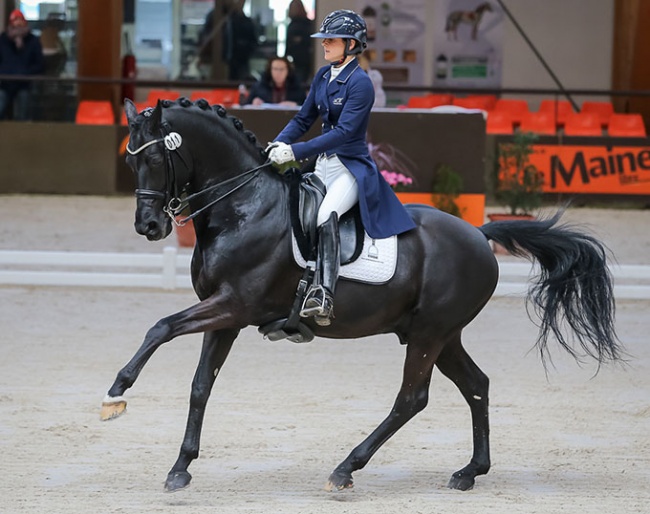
(472, 206)
(593, 169)
(95, 112)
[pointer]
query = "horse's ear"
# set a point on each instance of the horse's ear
(130, 110)
(156, 115)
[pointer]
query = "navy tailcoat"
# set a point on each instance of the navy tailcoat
(344, 105)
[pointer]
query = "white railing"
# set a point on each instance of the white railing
(170, 270)
(167, 270)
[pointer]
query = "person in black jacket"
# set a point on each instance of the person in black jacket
(20, 54)
(278, 85)
(239, 39)
(299, 42)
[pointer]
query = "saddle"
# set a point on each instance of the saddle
(306, 193)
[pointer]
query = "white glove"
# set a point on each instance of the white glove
(281, 153)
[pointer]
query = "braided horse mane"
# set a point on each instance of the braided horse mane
(231, 124)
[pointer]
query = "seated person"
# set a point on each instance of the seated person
(278, 85)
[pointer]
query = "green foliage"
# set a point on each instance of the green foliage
(447, 186)
(518, 183)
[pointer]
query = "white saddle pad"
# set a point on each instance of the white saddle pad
(375, 265)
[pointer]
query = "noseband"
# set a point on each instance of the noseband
(174, 205)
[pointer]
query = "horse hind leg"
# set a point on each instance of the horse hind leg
(216, 346)
(456, 364)
(411, 399)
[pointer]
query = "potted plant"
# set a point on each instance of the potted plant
(397, 181)
(447, 186)
(517, 182)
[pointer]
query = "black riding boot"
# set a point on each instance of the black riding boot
(319, 301)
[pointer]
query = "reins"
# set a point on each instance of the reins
(175, 205)
(175, 209)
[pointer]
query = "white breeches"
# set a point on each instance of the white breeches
(342, 188)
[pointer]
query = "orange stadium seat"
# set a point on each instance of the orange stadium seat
(560, 109)
(603, 109)
(583, 124)
(540, 122)
(489, 100)
(210, 95)
(161, 94)
(228, 97)
(429, 101)
(95, 112)
(473, 102)
(516, 107)
(626, 125)
(499, 122)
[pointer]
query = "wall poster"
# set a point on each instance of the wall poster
(468, 43)
(396, 34)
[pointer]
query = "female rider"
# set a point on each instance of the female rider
(342, 95)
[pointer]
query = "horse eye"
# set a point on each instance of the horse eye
(155, 160)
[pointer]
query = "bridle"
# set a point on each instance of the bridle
(173, 198)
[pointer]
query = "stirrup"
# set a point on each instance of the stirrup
(318, 303)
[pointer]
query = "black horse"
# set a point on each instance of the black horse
(244, 274)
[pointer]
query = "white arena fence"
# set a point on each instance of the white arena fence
(170, 270)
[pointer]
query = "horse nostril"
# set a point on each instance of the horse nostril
(152, 226)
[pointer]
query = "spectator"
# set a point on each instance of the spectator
(20, 54)
(299, 43)
(278, 85)
(239, 39)
(377, 80)
(54, 51)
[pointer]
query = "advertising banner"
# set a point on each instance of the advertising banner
(594, 169)
(396, 34)
(468, 43)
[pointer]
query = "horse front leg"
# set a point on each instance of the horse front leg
(473, 384)
(216, 346)
(202, 317)
(411, 399)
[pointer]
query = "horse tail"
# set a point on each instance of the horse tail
(573, 292)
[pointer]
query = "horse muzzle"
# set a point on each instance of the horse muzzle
(153, 225)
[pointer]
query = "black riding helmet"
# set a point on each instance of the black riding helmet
(344, 24)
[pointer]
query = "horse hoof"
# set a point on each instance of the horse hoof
(461, 482)
(112, 408)
(177, 480)
(339, 481)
